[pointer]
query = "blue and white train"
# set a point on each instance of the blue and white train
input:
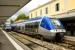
(46, 27)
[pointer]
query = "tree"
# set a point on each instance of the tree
(11, 21)
(22, 17)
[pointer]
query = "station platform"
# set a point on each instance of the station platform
(5, 44)
(8, 42)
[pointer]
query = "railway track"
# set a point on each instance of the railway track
(44, 44)
(28, 43)
(65, 44)
(70, 39)
(69, 42)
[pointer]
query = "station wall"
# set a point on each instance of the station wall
(53, 8)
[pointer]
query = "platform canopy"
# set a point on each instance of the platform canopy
(10, 7)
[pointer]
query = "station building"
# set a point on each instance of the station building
(62, 9)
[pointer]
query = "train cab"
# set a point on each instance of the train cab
(51, 28)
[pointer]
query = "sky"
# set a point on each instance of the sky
(30, 6)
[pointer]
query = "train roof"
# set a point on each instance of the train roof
(33, 19)
(28, 21)
(37, 19)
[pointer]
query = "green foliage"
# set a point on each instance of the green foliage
(22, 17)
(11, 21)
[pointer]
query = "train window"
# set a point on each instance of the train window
(22, 28)
(18, 27)
(32, 26)
(56, 23)
(44, 24)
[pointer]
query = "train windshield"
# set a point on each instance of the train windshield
(56, 23)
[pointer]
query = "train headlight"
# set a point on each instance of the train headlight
(64, 30)
(58, 30)
(53, 30)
